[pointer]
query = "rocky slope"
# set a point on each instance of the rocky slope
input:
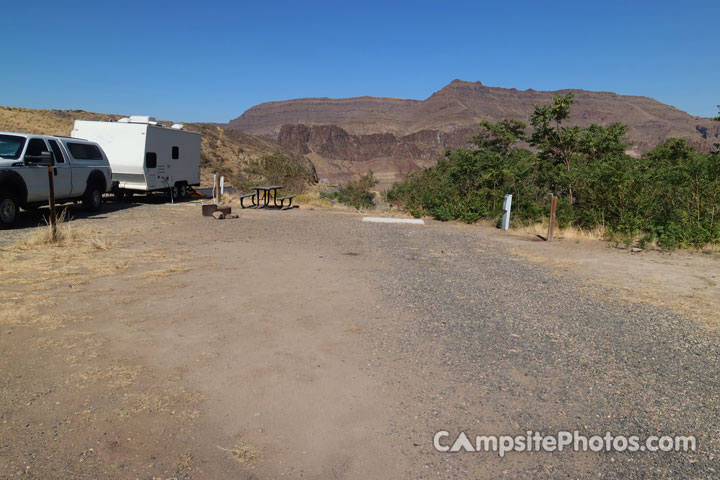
(345, 137)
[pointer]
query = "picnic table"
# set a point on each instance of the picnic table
(263, 194)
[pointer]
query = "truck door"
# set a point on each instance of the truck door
(62, 171)
(35, 176)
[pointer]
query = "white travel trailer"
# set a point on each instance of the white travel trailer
(146, 156)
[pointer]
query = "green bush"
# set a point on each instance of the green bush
(671, 194)
(357, 194)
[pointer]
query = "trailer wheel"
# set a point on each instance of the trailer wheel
(175, 193)
(92, 200)
(184, 192)
(8, 208)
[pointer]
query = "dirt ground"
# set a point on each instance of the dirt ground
(164, 344)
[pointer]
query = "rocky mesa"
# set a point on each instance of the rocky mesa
(346, 137)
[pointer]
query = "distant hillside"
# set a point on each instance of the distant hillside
(224, 151)
(411, 131)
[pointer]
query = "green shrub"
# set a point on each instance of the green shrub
(357, 194)
(671, 194)
(275, 169)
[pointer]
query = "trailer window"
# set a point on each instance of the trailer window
(175, 153)
(11, 146)
(59, 156)
(150, 159)
(84, 151)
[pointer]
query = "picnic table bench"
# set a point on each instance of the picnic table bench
(263, 195)
(289, 198)
(244, 196)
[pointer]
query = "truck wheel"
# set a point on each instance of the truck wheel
(92, 200)
(8, 208)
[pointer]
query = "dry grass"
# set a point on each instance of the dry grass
(313, 199)
(157, 275)
(568, 233)
(242, 452)
(45, 122)
(184, 463)
(167, 401)
(65, 234)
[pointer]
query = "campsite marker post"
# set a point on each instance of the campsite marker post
(507, 204)
(553, 209)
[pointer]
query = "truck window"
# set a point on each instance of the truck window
(11, 146)
(150, 159)
(36, 146)
(84, 151)
(175, 153)
(57, 151)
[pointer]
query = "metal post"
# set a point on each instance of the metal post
(53, 214)
(551, 227)
(507, 204)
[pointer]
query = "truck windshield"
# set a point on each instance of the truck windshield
(11, 146)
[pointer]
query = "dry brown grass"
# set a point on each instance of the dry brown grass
(65, 234)
(242, 452)
(45, 122)
(312, 199)
(157, 275)
(568, 233)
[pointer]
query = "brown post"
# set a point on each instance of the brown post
(551, 227)
(53, 214)
(217, 188)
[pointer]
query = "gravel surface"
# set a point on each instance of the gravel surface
(478, 340)
(490, 344)
(540, 351)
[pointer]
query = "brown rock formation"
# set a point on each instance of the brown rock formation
(345, 137)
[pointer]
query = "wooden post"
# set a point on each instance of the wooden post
(217, 188)
(551, 227)
(53, 213)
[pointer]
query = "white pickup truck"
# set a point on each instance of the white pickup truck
(80, 168)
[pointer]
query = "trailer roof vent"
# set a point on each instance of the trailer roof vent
(177, 126)
(142, 119)
(124, 120)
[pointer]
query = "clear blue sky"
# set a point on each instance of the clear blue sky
(210, 61)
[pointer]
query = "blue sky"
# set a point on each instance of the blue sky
(210, 61)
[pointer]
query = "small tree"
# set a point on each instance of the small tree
(555, 142)
(499, 137)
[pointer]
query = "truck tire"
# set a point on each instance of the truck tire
(8, 208)
(92, 200)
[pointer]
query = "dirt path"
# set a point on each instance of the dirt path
(305, 344)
